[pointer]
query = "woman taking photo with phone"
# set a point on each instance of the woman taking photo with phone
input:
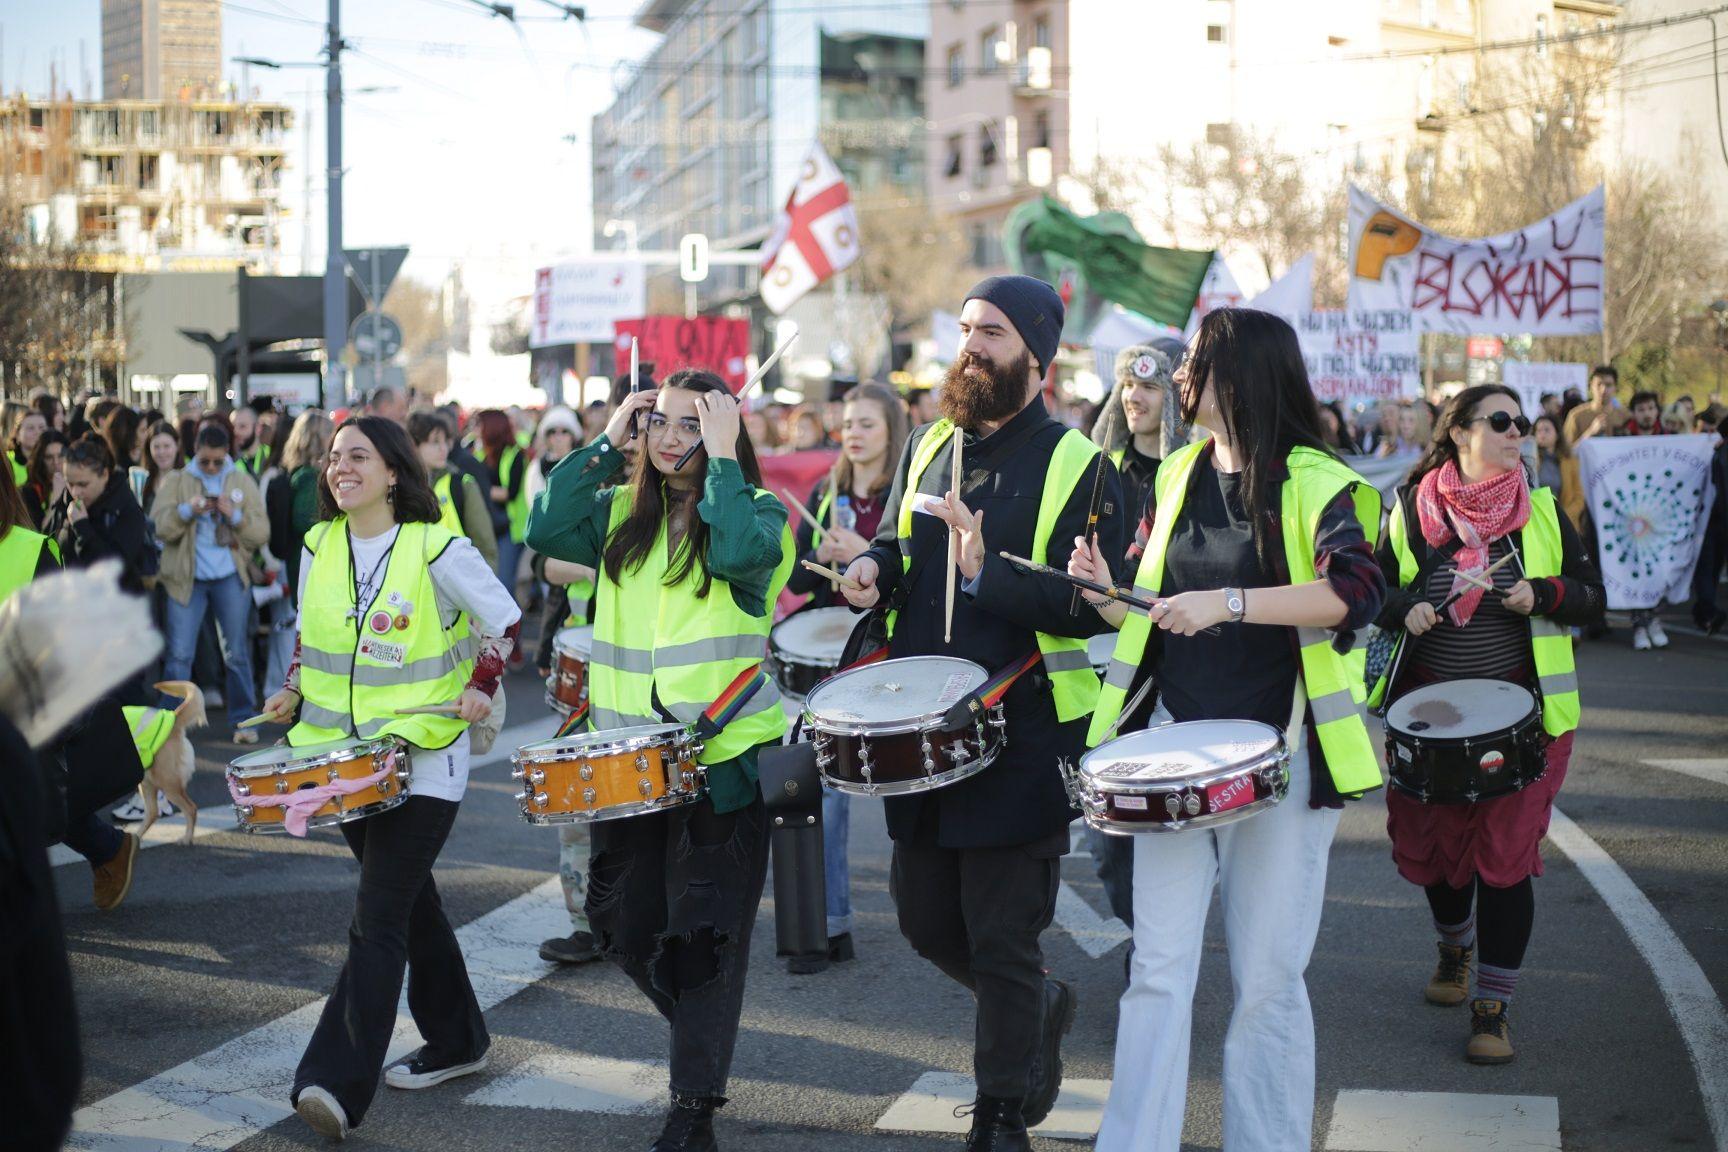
(690, 553)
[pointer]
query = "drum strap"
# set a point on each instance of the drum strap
(1436, 557)
(574, 720)
(730, 702)
(971, 707)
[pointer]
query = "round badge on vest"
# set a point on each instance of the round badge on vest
(380, 622)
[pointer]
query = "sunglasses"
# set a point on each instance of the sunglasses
(1503, 422)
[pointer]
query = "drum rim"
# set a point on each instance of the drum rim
(836, 612)
(677, 734)
(919, 784)
(615, 811)
(886, 727)
(1098, 820)
(1535, 709)
(559, 648)
(345, 816)
(1278, 753)
(340, 755)
(1421, 740)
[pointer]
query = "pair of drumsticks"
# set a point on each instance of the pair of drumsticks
(1480, 580)
(423, 710)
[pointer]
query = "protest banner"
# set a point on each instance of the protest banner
(1361, 357)
(1531, 381)
(673, 342)
(1545, 279)
(577, 301)
(1649, 497)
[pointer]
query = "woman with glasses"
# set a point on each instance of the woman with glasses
(1468, 505)
(690, 552)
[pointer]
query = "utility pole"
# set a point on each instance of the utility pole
(335, 275)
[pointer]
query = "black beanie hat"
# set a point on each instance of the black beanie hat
(1032, 306)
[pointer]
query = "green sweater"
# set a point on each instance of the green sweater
(569, 521)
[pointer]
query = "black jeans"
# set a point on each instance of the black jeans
(93, 838)
(977, 913)
(398, 924)
(672, 897)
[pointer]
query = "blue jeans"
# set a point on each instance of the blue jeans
(232, 605)
(509, 560)
(836, 871)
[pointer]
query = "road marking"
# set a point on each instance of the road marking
(578, 1082)
(165, 831)
(1715, 771)
(1443, 1122)
(236, 1090)
(1095, 934)
(1697, 1010)
(928, 1106)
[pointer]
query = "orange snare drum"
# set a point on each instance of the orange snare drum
(280, 789)
(608, 775)
(567, 686)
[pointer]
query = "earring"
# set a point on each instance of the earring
(390, 494)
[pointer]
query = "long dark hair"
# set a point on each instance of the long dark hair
(629, 546)
(894, 415)
(122, 435)
(414, 501)
(1562, 450)
(13, 511)
(160, 428)
(1456, 414)
(1265, 401)
(37, 467)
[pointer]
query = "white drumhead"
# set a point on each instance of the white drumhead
(579, 742)
(894, 690)
(1100, 648)
(281, 755)
(577, 642)
(1454, 709)
(1174, 752)
(817, 636)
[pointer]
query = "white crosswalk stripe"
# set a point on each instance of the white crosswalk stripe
(578, 1082)
(928, 1106)
(1365, 1121)
(1715, 771)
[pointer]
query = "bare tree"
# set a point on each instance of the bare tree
(56, 313)
(912, 260)
(426, 334)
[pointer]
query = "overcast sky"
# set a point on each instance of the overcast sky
(465, 157)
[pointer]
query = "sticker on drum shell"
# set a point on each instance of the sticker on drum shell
(1144, 769)
(1492, 761)
(1228, 794)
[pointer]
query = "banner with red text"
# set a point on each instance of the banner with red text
(673, 342)
(1545, 279)
(1361, 357)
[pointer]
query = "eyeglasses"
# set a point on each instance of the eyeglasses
(689, 427)
(1503, 422)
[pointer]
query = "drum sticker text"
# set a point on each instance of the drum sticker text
(955, 688)
(392, 654)
(1130, 768)
(1129, 803)
(1230, 794)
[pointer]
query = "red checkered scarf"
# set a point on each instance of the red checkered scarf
(1477, 514)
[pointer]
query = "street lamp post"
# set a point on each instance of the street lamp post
(335, 278)
(1719, 309)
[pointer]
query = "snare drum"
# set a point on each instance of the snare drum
(1460, 741)
(608, 775)
(355, 777)
(804, 649)
(878, 729)
(567, 685)
(1199, 774)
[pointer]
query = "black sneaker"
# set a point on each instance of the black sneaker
(997, 1125)
(689, 1125)
(576, 948)
(1045, 1082)
(419, 1070)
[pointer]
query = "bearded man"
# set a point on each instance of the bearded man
(976, 864)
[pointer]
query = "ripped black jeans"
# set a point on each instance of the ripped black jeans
(672, 898)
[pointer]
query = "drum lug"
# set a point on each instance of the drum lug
(537, 777)
(641, 761)
(242, 789)
(245, 811)
(281, 787)
(929, 756)
(541, 800)
(518, 772)
(824, 751)
(1192, 804)
(586, 772)
(645, 787)
(1070, 781)
(1173, 805)
(589, 796)
(332, 775)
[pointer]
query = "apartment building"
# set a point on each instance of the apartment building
(143, 186)
(161, 49)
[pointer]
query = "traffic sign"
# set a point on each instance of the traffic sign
(693, 258)
(375, 335)
(373, 270)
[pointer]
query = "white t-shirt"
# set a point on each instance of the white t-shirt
(464, 582)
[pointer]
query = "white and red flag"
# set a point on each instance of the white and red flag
(815, 236)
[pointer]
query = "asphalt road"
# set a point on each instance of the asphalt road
(197, 979)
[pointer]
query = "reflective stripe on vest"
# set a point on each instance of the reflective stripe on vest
(1550, 643)
(517, 508)
(654, 640)
(354, 679)
(1073, 683)
(150, 728)
(1333, 681)
(448, 518)
(20, 551)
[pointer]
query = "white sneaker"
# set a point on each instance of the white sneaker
(322, 1113)
(1641, 639)
(263, 594)
(1657, 636)
(132, 812)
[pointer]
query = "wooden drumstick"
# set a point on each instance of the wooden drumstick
(431, 710)
(263, 718)
(798, 507)
(1478, 581)
(838, 577)
(954, 475)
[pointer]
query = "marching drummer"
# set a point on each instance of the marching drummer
(690, 553)
(1259, 569)
(976, 864)
(1467, 507)
(387, 596)
(848, 503)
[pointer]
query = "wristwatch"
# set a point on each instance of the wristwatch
(1233, 600)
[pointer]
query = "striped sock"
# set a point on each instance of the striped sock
(1458, 935)
(1496, 983)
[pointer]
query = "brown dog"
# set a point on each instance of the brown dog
(171, 770)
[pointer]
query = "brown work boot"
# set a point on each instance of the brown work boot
(114, 879)
(1450, 984)
(1490, 1033)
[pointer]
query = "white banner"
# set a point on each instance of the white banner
(1291, 296)
(1361, 356)
(1545, 279)
(1218, 290)
(1649, 497)
(1387, 473)
(1531, 381)
(576, 302)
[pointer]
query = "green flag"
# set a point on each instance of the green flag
(1159, 283)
